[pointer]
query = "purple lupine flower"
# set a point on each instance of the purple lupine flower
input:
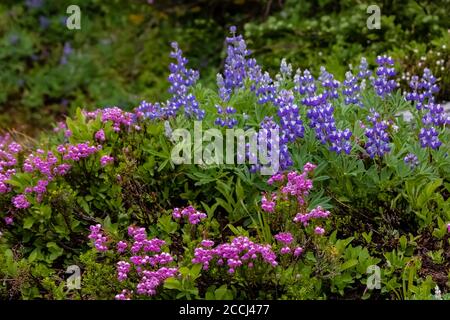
(377, 137)
(435, 115)
(323, 122)
(285, 69)
(363, 69)
(224, 93)
(34, 4)
(429, 137)
(67, 51)
(411, 160)
(382, 83)
(44, 22)
(329, 84)
(304, 83)
(423, 89)
(150, 110)
(351, 90)
(181, 80)
(235, 70)
(265, 138)
(291, 123)
(225, 118)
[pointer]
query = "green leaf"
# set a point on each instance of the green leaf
(349, 264)
(172, 283)
(28, 222)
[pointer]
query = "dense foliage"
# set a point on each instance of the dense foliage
(358, 187)
(118, 57)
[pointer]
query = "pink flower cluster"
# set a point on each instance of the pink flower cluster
(268, 205)
(122, 270)
(97, 236)
(297, 185)
(100, 135)
(124, 295)
(79, 151)
(284, 237)
(116, 115)
(194, 216)
(60, 126)
(48, 165)
(292, 184)
(287, 239)
(235, 254)
(20, 201)
(139, 260)
(8, 159)
(316, 213)
(105, 160)
(151, 280)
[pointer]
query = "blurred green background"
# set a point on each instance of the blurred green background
(120, 55)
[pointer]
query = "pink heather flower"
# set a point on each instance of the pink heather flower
(276, 177)
(234, 254)
(62, 169)
(298, 185)
(121, 246)
(9, 220)
(309, 167)
(14, 148)
(448, 227)
(122, 270)
(68, 133)
(105, 160)
(100, 135)
(316, 213)
(20, 202)
(320, 231)
(207, 243)
(97, 236)
(268, 205)
(285, 250)
(117, 116)
(285, 237)
(124, 295)
(298, 251)
(176, 213)
(194, 216)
